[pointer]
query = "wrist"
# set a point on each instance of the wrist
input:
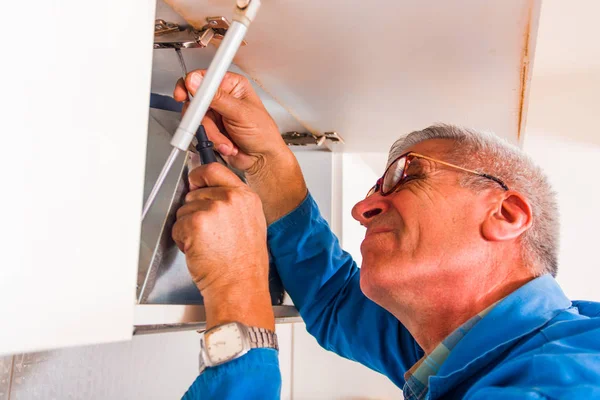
(248, 302)
(279, 183)
(268, 164)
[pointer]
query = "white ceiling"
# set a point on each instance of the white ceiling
(378, 69)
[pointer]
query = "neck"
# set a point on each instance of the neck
(435, 312)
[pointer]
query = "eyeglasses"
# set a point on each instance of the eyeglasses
(397, 174)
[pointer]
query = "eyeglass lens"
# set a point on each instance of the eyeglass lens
(393, 175)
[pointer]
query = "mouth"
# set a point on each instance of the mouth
(375, 231)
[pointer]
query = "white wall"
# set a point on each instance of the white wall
(563, 134)
(572, 167)
(317, 373)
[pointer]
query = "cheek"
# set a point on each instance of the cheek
(446, 230)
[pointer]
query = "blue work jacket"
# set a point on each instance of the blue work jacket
(534, 344)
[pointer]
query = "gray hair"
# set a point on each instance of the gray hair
(486, 152)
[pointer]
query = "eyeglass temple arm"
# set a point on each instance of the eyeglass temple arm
(464, 169)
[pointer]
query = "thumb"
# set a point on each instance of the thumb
(193, 81)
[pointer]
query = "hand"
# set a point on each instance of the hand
(248, 139)
(237, 123)
(222, 231)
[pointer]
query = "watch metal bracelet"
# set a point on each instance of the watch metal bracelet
(261, 337)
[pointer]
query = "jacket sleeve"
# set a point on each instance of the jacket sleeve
(255, 375)
(323, 281)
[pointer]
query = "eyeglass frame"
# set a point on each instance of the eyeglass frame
(378, 187)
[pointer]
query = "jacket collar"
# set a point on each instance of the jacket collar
(520, 313)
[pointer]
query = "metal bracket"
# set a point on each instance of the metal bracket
(161, 27)
(307, 138)
(168, 35)
(219, 25)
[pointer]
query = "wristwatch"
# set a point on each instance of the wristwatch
(227, 342)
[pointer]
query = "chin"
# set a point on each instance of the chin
(372, 281)
(365, 285)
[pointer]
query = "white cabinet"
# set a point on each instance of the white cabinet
(75, 81)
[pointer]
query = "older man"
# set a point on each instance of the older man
(455, 298)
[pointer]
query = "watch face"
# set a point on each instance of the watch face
(223, 343)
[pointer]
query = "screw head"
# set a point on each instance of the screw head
(213, 22)
(158, 27)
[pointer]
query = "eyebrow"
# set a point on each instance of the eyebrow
(417, 163)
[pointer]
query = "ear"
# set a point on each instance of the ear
(509, 219)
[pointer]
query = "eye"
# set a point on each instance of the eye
(412, 177)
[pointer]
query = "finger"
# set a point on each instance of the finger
(192, 207)
(226, 147)
(218, 120)
(234, 84)
(227, 150)
(175, 234)
(183, 231)
(207, 193)
(222, 143)
(214, 174)
(180, 92)
(228, 99)
(240, 160)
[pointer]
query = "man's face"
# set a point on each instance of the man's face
(427, 231)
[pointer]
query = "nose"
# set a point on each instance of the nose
(365, 210)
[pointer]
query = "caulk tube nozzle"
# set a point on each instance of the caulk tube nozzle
(205, 147)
